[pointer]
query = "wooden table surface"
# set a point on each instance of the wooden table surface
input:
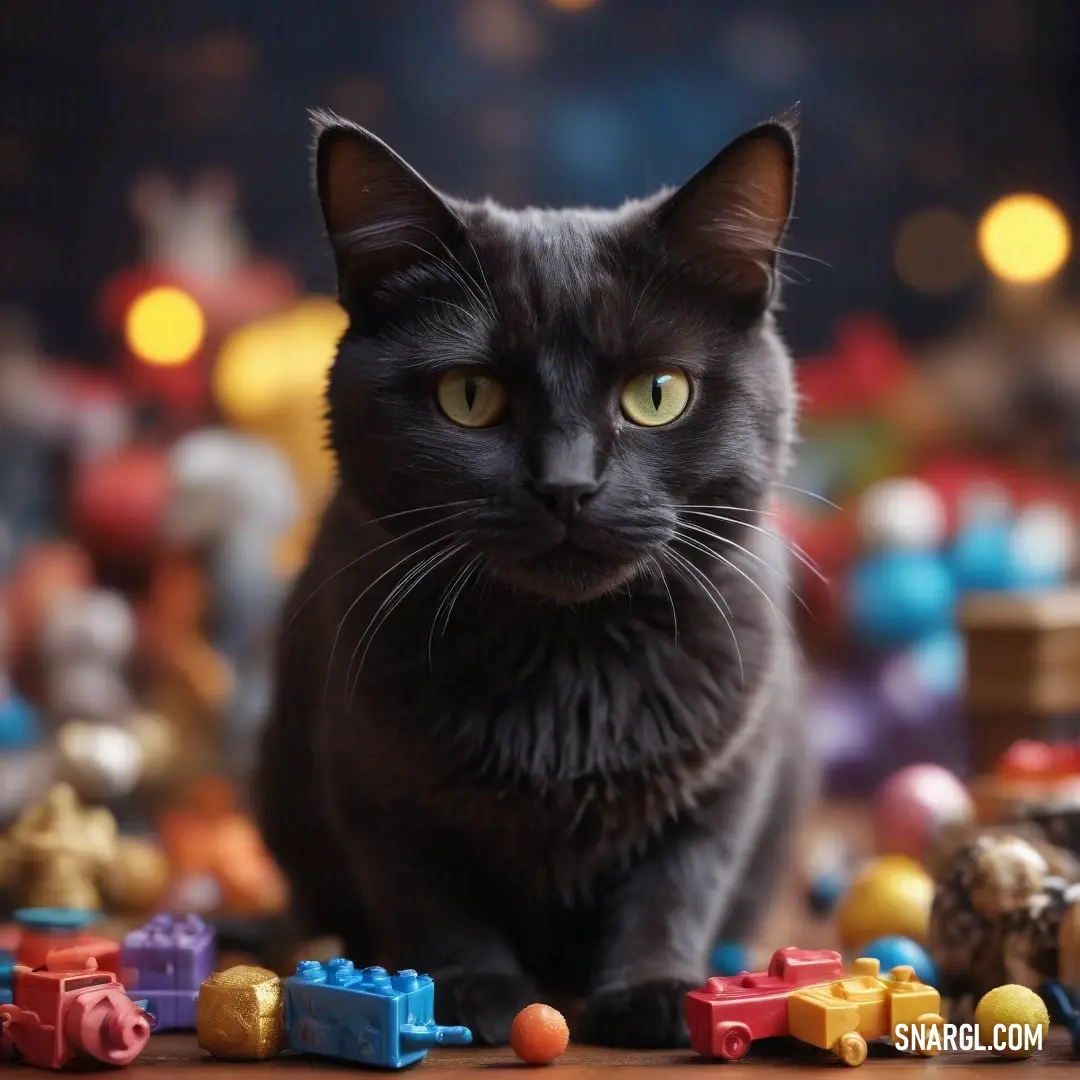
(180, 1055)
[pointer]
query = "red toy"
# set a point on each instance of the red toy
(1029, 759)
(65, 1016)
(731, 1011)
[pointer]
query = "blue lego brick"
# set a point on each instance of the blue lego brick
(366, 1016)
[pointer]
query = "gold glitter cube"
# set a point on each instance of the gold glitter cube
(240, 1014)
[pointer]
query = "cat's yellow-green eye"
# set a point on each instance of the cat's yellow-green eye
(655, 398)
(469, 399)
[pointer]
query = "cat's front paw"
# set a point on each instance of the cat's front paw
(649, 1016)
(485, 1004)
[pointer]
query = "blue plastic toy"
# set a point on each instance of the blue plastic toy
(1065, 1006)
(825, 892)
(368, 1016)
(729, 958)
(7, 977)
(896, 598)
(43, 920)
(19, 728)
(893, 952)
(981, 556)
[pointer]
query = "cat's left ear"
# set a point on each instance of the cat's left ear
(730, 218)
(382, 217)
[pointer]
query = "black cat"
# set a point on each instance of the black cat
(535, 728)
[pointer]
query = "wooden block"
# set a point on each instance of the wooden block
(991, 734)
(1023, 653)
(1025, 611)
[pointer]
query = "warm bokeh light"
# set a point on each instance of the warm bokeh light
(270, 380)
(573, 5)
(164, 327)
(1024, 239)
(269, 366)
(935, 251)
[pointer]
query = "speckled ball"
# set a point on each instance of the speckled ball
(539, 1034)
(1011, 1004)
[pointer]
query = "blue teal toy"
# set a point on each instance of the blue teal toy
(896, 598)
(7, 977)
(1068, 1014)
(825, 892)
(893, 952)
(44, 920)
(19, 728)
(981, 556)
(729, 958)
(368, 1016)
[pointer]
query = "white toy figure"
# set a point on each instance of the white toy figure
(86, 644)
(195, 233)
(904, 514)
(235, 498)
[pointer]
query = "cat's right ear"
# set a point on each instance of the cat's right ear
(381, 216)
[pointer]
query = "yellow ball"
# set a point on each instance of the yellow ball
(1011, 1005)
(892, 895)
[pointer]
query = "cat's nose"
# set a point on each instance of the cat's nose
(564, 498)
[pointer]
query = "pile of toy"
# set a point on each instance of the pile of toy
(968, 908)
(898, 696)
(152, 513)
(919, 482)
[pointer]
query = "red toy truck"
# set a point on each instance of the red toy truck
(68, 1015)
(730, 1012)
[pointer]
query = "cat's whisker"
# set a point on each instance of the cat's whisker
(363, 592)
(809, 495)
(470, 315)
(697, 545)
(492, 307)
(476, 565)
(773, 534)
(776, 574)
(667, 589)
(389, 600)
(472, 290)
(473, 503)
(648, 282)
(484, 278)
(709, 588)
(449, 594)
(398, 595)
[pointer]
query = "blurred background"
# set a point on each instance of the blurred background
(167, 321)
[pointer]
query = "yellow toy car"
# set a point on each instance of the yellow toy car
(844, 1015)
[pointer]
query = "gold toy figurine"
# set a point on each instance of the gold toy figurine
(844, 1015)
(59, 852)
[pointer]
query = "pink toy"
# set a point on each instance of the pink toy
(68, 1016)
(914, 806)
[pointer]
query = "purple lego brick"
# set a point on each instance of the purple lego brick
(165, 961)
(174, 1010)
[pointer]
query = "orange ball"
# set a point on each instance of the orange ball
(539, 1034)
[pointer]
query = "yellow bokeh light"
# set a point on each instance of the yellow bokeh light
(270, 380)
(1024, 239)
(164, 327)
(277, 364)
(573, 5)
